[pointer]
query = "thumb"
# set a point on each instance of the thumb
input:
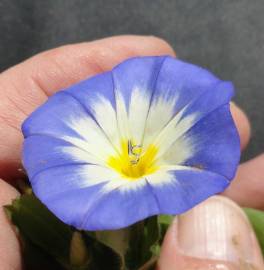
(214, 235)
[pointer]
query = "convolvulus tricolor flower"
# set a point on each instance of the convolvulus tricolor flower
(152, 136)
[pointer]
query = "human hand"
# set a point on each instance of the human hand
(27, 85)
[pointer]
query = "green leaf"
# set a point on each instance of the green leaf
(47, 241)
(118, 240)
(256, 218)
(164, 223)
(144, 236)
(165, 219)
(137, 245)
(103, 257)
(37, 224)
(36, 258)
(151, 237)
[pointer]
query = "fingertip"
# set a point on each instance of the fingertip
(247, 188)
(242, 123)
(216, 234)
(162, 44)
(141, 42)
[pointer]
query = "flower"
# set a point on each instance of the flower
(152, 136)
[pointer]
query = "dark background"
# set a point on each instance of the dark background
(225, 36)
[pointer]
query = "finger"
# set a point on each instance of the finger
(214, 235)
(27, 85)
(242, 124)
(9, 245)
(248, 186)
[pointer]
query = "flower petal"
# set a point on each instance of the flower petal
(194, 112)
(178, 84)
(72, 206)
(53, 181)
(134, 84)
(88, 197)
(177, 191)
(120, 209)
(216, 143)
(70, 191)
(97, 97)
(64, 118)
(52, 152)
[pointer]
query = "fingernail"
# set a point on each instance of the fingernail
(219, 230)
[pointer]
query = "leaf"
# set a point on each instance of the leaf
(164, 222)
(118, 240)
(151, 237)
(37, 224)
(36, 258)
(256, 218)
(144, 236)
(103, 257)
(165, 219)
(48, 241)
(136, 245)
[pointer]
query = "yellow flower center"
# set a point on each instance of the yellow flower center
(132, 163)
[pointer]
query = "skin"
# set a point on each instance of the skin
(27, 85)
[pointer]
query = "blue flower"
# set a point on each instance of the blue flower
(152, 136)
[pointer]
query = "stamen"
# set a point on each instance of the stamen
(134, 152)
(132, 162)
